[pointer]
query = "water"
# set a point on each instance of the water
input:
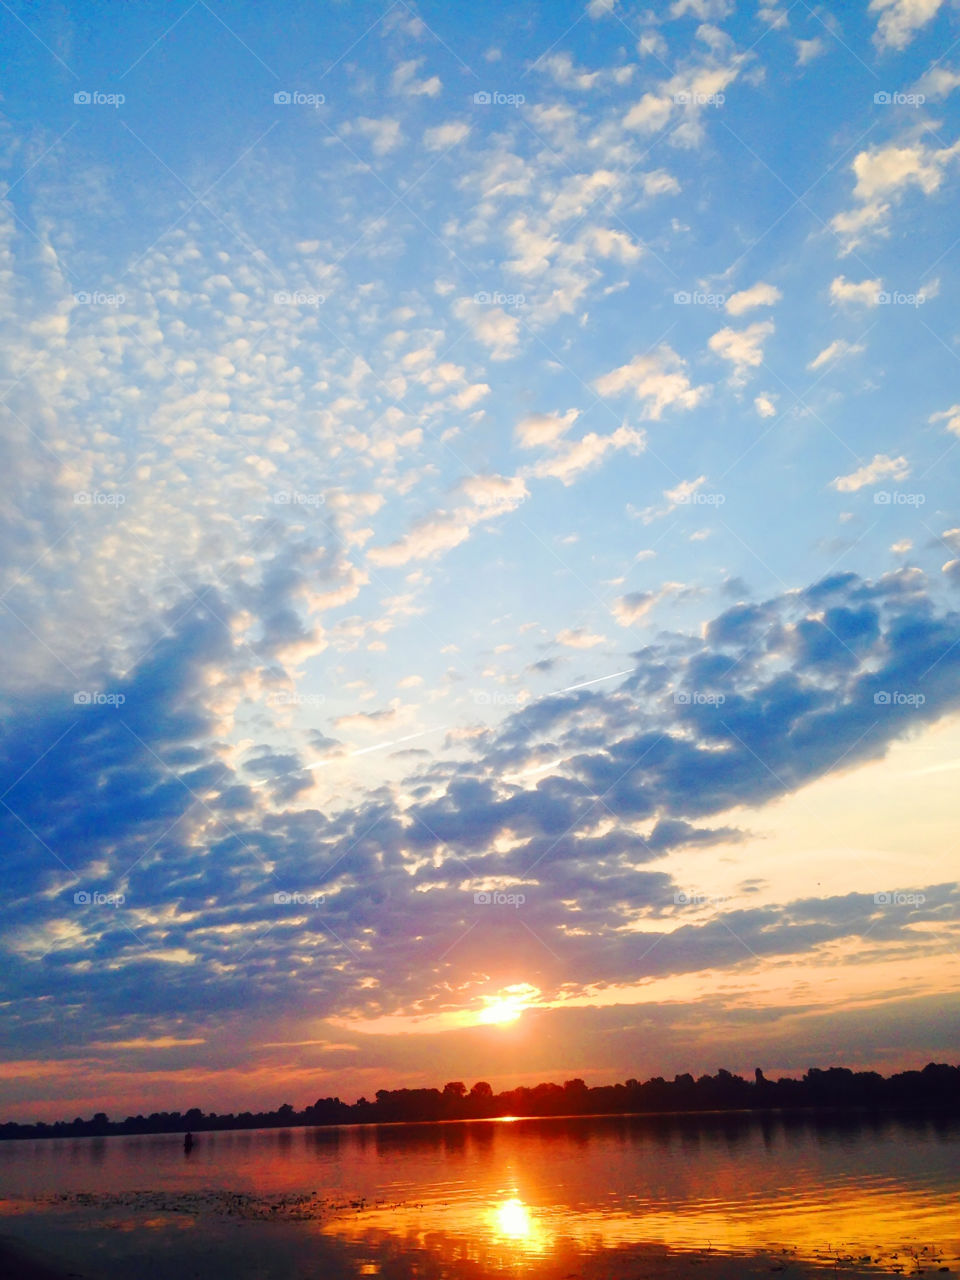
(524, 1194)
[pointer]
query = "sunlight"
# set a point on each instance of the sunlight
(507, 1006)
(513, 1219)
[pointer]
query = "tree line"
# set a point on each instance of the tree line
(936, 1087)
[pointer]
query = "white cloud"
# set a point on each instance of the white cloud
(950, 417)
(446, 135)
(866, 293)
(575, 456)
(938, 82)
(705, 10)
(765, 406)
(384, 134)
(404, 80)
(742, 347)
(758, 295)
(659, 183)
(898, 20)
(880, 468)
(837, 350)
(883, 175)
(491, 326)
(543, 428)
(578, 638)
(600, 8)
(807, 50)
(657, 379)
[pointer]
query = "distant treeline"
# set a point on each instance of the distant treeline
(936, 1087)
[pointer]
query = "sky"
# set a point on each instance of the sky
(480, 545)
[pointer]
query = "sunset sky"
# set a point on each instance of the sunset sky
(480, 545)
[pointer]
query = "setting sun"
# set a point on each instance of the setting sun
(508, 1005)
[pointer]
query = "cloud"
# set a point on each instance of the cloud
(579, 638)
(493, 327)
(743, 348)
(384, 134)
(950, 417)
(765, 406)
(866, 293)
(899, 20)
(883, 175)
(938, 82)
(544, 428)
(808, 50)
(404, 80)
(880, 468)
(758, 295)
(658, 380)
(836, 350)
(571, 457)
(443, 136)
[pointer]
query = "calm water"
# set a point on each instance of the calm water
(524, 1192)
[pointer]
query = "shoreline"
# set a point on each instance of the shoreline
(930, 1112)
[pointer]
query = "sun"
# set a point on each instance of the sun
(508, 1005)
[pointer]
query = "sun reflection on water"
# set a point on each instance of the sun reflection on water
(512, 1223)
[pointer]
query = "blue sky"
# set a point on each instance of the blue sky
(455, 451)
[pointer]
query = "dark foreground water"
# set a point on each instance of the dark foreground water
(542, 1197)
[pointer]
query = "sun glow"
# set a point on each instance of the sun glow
(508, 1005)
